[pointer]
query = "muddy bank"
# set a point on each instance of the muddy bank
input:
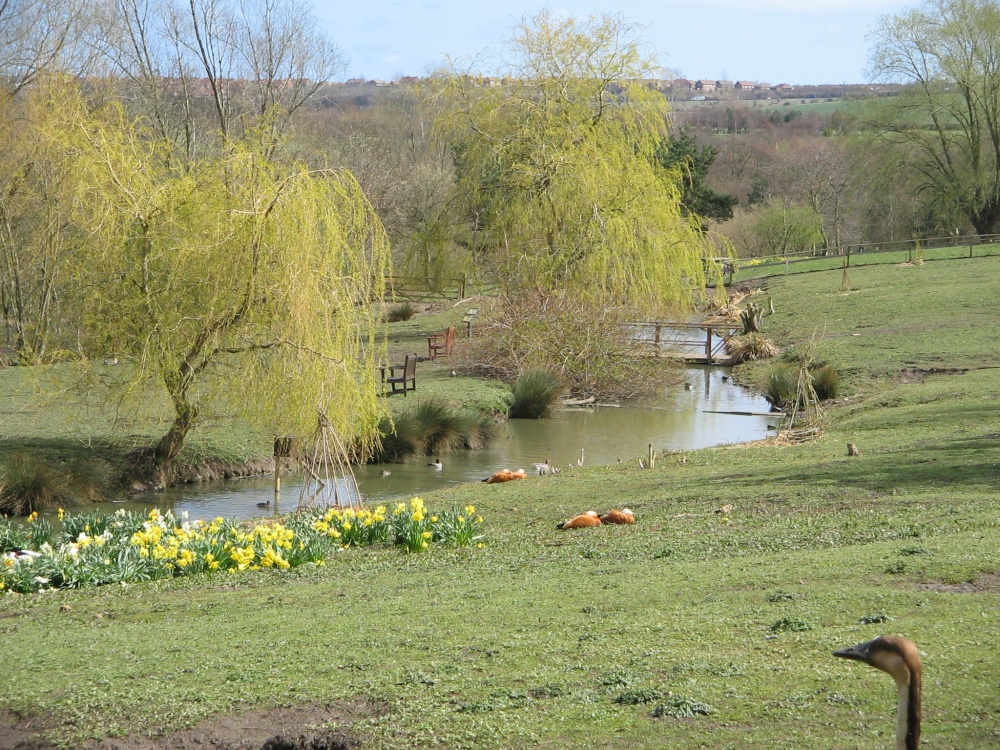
(290, 728)
(145, 477)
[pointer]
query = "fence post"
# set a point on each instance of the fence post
(708, 344)
(462, 290)
(848, 257)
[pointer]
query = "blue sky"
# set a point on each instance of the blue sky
(777, 41)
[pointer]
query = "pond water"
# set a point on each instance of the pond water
(683, 419)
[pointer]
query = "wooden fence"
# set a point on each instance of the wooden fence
(425, 288)
(863, 254)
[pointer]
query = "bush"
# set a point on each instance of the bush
(432, 427)
(589, 347)
(37, 482)
(781, 385)
(826, 382)
(535, 394)
(753, 346)
(400, 312)
(28, 484)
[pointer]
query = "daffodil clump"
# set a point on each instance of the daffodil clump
(94, 549)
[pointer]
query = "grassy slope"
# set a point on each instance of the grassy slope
(526, 642)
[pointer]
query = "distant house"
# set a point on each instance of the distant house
(745, 86)
(681, 84)
(704, 85)
(782, 87)
(355, 82)
(723, 85)
(408, 80)
(763, 87)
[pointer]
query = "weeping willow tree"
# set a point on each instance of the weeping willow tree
(231, 281)
(560, 170)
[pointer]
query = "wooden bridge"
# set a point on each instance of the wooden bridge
(698, 343)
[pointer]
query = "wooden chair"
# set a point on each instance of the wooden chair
(440, 343)
(406, 380)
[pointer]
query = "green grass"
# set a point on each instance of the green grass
(551, 639)
(769, 268)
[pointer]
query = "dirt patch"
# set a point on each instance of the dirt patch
(985, 584)
(292, 728)
(910, 375)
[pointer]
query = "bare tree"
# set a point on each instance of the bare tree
(231, 67)
(36, 35)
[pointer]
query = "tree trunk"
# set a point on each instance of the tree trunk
(987, 219)
(170, 444)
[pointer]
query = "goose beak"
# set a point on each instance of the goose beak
(858, 653)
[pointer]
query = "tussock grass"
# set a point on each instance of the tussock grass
(535, 394)
(432, 427)
(751, 347)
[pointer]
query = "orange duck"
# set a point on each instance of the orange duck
(623, 516)
(506, 475)
(590, 518)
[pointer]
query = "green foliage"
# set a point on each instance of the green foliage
(682, 152)
(535, 394)
(781, 228)
(806, 519)
(791, 625)
(876, 618)
(560, 169)
(825, 381)
(946, 125)
(233, 266)
(680, 707)
(432, 427)
(638, 696)
(782, 384)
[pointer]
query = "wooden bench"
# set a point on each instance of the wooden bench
(406, 380)
(440, 343)
(467, 320)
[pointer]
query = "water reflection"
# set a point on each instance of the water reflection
(684, 419)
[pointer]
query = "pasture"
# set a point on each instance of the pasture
(702, 625)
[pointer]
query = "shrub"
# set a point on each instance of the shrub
(589, 347)
(535, 394)
(400, 312)
(30, 484)
(826, 382)
(753, 346)
(432, 427)
(781, 385)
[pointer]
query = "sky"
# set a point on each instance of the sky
(773, 41)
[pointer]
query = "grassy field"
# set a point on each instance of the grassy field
(552, 639)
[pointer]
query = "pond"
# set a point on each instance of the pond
(689, 416)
